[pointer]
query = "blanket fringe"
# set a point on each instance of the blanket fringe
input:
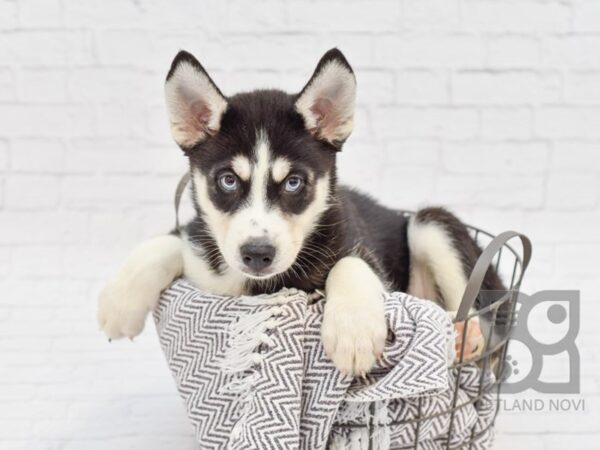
(242, 357)
(381, 432)
(363, 438)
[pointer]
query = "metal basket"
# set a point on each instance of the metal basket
(507, 261)
(511, 265)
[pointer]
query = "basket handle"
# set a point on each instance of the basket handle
(481, 267)
(183, 182)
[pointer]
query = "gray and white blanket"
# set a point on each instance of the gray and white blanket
(253, 375)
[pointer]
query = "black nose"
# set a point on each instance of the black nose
(257, 254)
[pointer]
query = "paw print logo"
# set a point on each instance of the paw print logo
(511, 365)
(546, 327)
(518, 364)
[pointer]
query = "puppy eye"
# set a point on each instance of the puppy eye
(228, 182)
(293, 183)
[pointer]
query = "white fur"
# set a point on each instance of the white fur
(136, 288)
(354, 326)
(241, 166)
(303, 224)
(281, 168)
(336, 85)
(258, 218)
(186, 90)
(435, 263)
(260, 172)
(198, 272)
(433, 251)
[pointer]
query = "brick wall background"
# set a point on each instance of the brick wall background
(491, 107)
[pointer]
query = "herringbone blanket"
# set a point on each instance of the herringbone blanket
(253, 375)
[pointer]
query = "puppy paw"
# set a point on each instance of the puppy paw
(135, 290)
(123, 307)
(354, 334)
(474, 340)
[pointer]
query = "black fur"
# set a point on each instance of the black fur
(273, 112)
(354, 224)
(189, 58)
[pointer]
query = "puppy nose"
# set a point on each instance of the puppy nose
(257, 254)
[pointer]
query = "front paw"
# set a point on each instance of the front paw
(123, 307)
(354, 333)
(474, 341)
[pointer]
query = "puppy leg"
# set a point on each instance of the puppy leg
(433, 235)
(354, 326)
(135, 290)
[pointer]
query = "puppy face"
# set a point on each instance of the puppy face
(260, 203)
(262, 163)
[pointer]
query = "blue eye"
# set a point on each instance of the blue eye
(228, 182)
(293, 183)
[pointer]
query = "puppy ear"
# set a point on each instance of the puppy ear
(327, 100)
(194, 103)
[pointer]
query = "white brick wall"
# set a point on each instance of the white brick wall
(491, 107)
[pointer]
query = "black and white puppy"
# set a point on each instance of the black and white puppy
(269, 214)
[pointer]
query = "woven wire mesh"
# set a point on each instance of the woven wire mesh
(508, 264)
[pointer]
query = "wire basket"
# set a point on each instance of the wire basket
(511, 265)
(496, 318)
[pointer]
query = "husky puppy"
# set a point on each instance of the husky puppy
(270, 213)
